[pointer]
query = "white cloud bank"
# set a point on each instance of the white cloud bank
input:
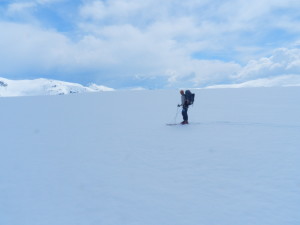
(283, 61)
(281, 81)
(280, 69)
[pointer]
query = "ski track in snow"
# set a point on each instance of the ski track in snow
(231, 123)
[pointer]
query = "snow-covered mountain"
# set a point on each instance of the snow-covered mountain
(44, 87)
(108, 158)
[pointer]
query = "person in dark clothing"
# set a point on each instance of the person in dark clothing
(185, 107)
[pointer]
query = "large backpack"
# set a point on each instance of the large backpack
(190, 97)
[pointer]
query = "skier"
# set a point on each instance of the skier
(185, 106)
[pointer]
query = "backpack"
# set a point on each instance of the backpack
(190, 97)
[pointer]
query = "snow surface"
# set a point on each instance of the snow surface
(108, 158)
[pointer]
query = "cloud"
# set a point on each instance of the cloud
(49, 1)
(283, 61)
(194, 42)
(98, 10)
(20, 7)
(130, 54)
(21, 11)
(114, 54)
(25, 49)
(280, 81)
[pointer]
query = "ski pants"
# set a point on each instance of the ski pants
(184, 113)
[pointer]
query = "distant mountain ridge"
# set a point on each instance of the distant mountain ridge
(10, 88)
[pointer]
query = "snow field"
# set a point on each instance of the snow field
(108, 158)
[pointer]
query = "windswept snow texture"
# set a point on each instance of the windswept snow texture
(109, 159)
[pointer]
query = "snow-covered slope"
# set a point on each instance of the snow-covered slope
(109, 159)
(44, 87)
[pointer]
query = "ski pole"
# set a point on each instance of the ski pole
(175, 118)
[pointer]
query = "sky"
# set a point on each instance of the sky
(150, 43)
